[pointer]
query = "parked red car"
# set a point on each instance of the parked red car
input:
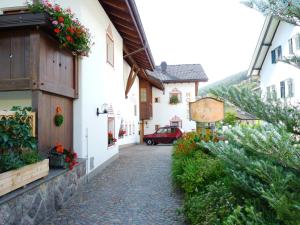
(164, 135)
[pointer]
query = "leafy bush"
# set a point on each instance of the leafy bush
(230, 118)
(211, 205)
(174, 99)
(17, 145)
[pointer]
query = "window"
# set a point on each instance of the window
(297, 40)
(268, 93)
(276, 54)
(129, 129)
(162, 131)
(109, 46)
(273, 92)
(290, 85)
(176, 122)
(175, 96)
(157, 127)
(135, 110)
(111, 131)
(133, 129)
(143, 95)
(291, 49)
(282, 89)
(156, 100)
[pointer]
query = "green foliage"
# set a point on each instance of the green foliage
(30, 157)
(16, 132)
(272, 111)
(17, 145)
(10, 161)
(174, 99)
(230, 118)
(211, 206)
(263, 165)
(288, 11)
(58, 120)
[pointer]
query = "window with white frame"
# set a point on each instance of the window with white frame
(297, 41)
(291, 46)
(111, 131)
(276, 54)
(268, 92)
(290, 86)
(133, 129)
(109, 46)
(271, 92)
(175, 96)
(282, 89)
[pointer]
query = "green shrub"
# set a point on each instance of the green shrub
(211, 206)
(230, 118)
(199, 172)
(30, 157)
(10, 161)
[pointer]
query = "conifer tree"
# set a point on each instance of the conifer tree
(284, 10)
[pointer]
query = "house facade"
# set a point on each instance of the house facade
(105, 99)
(171, 107)
(278, 80)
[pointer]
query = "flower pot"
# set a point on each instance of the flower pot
(14, 179)
(57, 160)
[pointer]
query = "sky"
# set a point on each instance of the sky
(221, 35)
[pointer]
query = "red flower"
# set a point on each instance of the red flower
(71, 30)
(57, 8)
(75, 155)
(57, 30)
(69, 38)
(68, 159)
(60, 19)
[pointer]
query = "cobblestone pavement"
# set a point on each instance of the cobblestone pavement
(134, 189)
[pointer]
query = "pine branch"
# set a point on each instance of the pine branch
(273, 111)
(285, 10)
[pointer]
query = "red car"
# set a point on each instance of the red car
(164, 135)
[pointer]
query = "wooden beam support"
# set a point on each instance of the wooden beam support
(134, 52)
(119, 14)
(116, 4)
(131, 78)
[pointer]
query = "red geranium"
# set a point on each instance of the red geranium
(69, 38)
(57, 8)
(60, 19)
(57, 30)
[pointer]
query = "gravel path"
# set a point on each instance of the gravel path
(134, 189)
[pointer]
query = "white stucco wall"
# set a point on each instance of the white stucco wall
(272, 74)
(163, 112)
(127, 110)
(15, 98)
(100, 83)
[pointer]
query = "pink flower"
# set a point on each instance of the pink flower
(55, 22)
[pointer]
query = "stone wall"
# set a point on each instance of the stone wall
(41, 199)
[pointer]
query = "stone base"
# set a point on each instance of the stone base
(30, 205)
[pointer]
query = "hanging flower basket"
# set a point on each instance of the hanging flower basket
(69, 31)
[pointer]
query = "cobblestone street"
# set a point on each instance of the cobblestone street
(134, 189)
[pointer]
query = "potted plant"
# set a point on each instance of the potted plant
(121, 133)
(69, 31)
(111, 139)
(174, 99)
(61, 157)
(20, 162)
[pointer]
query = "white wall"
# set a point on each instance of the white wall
(15, 98)
(272, 74)
(99, 82)
(163, 112)
(127, 109)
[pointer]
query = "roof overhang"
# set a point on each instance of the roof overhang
(185, 81)
(125, 17)
(152, 80)
(264, 43)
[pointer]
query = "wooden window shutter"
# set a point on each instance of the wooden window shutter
(273, 53)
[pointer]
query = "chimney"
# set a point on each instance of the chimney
(164, 66)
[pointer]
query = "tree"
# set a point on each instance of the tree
(273, 111)
(284, 10)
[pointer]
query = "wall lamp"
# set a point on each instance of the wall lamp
(104, 109)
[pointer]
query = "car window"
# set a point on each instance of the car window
(173, 130)
(161, 131)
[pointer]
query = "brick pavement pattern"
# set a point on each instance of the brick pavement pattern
(134, 189)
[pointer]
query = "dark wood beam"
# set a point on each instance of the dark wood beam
(134, 52)
(131, 78)
(116, 4)
(119, 14)
(123, 23)
(128, 32)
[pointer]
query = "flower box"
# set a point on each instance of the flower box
(14, 179)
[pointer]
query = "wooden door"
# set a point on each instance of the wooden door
(4, 56)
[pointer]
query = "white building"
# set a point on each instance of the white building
(277, 40)
(108, 80)
(171, 107)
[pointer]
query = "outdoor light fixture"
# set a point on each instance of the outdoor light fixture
(103, 110)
